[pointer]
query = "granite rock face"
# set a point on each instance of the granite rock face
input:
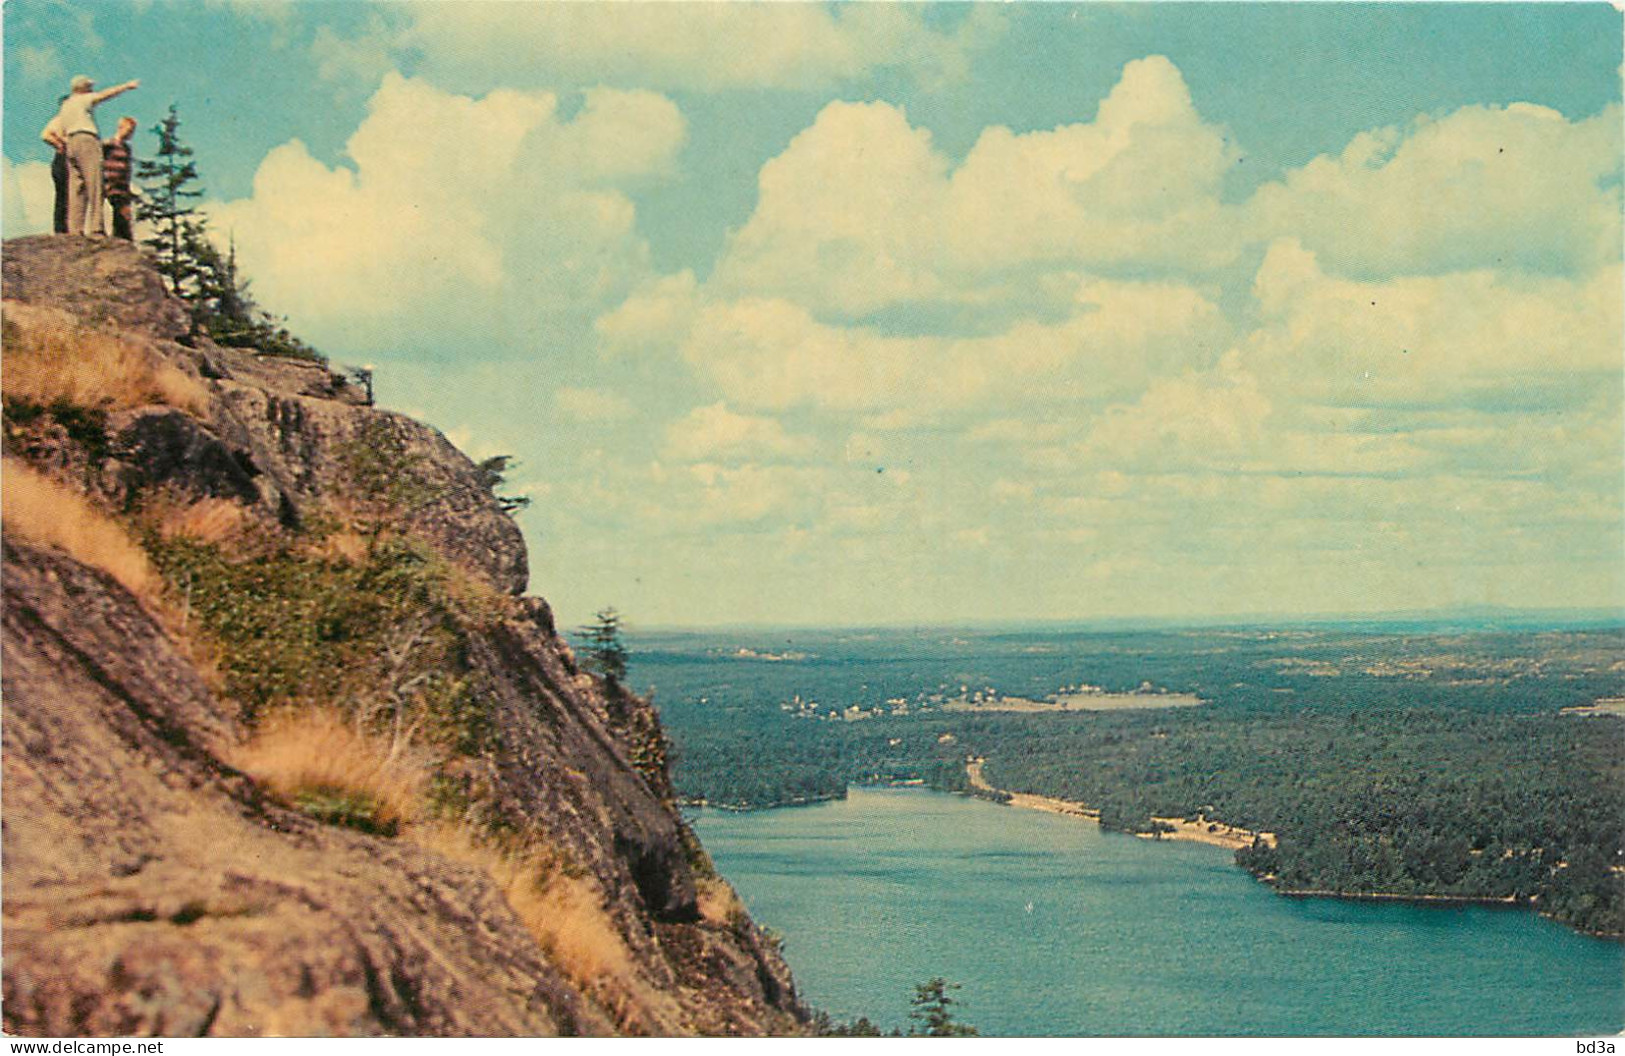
(152, 888)
(284, 435)
(106, 281)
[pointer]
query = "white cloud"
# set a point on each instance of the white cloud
(1012, 490)
(652, 318)
(1469, 337)
(975, 538)
(1139, 183)
(715, 433)
(592, 405)
(861, 211)
(38, 63)
(363, 57)
(709, 495)
(29, 198)
(775, 354)
(1213, 419)
(487, 216)
(691, 46)
(1513, 187)
(847, 217)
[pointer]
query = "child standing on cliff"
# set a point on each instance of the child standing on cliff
(116, 176)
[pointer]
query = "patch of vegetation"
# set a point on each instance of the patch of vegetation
(37, 508)
(382, 639)
(384, 472)
(86, 426)
(20, 410)
(346, 807)
(932, 1010)
(933, 1013)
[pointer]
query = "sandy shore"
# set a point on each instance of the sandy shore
(1199, 831)
(1391, 896)
(1079, 702)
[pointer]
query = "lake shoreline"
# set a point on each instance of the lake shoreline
(1505, 901)
(1236, 838)
(1201, 830)
(900, 884)
(751, 808)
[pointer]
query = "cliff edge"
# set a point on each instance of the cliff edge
(286, 751)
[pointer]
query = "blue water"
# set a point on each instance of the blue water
(1052, 926)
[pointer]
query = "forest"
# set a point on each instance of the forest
(1411, 761)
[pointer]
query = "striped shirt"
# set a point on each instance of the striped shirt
(116, 168)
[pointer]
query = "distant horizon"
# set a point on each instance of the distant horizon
(858, 314)
(1532, 619)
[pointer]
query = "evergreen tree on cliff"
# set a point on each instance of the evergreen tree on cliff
(194, 267)
(168, 189)
(605, 654)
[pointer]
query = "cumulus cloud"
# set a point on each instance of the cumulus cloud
(592, 405)
(362, 57)
(776, 354)
(707, 494)
(715, 433)
(1125, 376)
(647, 320)
(29, 198)
(1518, 187)
(1479, 374)
(1139, 183)
(1473, 337)
(693, 46)
(491, 215)
(861, 211)
(847, 217)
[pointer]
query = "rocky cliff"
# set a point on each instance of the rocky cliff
(285, 749)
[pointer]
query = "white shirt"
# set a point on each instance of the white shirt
(75, 115)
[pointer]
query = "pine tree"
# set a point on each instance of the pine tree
(605, 654)
(188, 258)
(493, 474)
(932, 1011)
(168, 189)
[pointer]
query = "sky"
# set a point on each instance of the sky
(939, 314)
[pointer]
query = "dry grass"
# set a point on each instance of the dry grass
(315, 756)
(315, 753)
(38, 509)
(565, 914)
(51, 359)
(349, 547)
(719, 903)
(212, 521)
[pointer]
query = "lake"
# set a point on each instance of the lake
(1054, 927)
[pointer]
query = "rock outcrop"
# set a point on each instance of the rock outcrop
(154, 885)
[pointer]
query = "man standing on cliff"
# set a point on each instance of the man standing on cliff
(59, 173)
(116, 176)
(75, 126)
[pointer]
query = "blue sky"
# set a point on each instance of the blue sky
(941, 313)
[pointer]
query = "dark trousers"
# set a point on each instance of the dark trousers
(59, 180)
(121, 204)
